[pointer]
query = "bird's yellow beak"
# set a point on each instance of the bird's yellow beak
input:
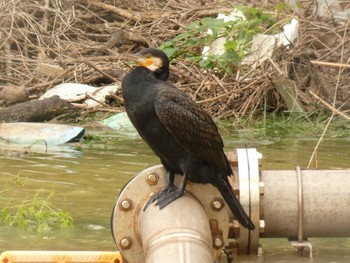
(140, 60)
(151, 62)
(144, 62)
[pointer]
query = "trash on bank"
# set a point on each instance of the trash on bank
(121, 123)
(73, 92)
(262, 45)
(28, 133)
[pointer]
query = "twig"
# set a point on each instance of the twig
(219, 82)
(207, 11)
(229, 92)
(100, 71)
(334, 111)
(199, 88)
(121, 100)
(92, 98)
(314, 152)
(330, 107)
(120, 12)
(331, 64)
(341, 61)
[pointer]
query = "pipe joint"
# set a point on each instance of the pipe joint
(199, 220)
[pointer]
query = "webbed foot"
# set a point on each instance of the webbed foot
(167, 197)
(170, 188)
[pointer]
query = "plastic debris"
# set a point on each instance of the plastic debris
(69, 91)
(217, 47)
(74, 92)
(339, 10)
(28, 133)
(121, 123)
(264, 45)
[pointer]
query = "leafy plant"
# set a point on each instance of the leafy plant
(34, 214)
(238, 34)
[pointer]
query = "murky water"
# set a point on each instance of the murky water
(88, 178)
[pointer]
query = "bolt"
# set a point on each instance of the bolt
(125, 204)
(261, 226)
(261, 188)
(125, 243)
(259, 156)
(217, 204)
(152, 178)
(235, 226)
(218, 242)
(260, 251)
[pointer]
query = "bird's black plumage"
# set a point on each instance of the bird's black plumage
(182, 134)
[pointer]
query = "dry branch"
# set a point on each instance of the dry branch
(330, 107)
(134, 16)
(35, 111)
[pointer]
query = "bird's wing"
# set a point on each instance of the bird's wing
(190, 126)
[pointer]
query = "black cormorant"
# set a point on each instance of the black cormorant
(182, 134)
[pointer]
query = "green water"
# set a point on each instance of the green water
(88, 178)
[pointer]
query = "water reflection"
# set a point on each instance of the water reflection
(89, 180)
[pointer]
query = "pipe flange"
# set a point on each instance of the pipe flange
(247, 181)
(134, 196)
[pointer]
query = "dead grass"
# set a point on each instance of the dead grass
(86, 39)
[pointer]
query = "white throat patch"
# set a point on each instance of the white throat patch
(157, 63)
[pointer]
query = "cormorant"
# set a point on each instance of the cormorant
(182, 134)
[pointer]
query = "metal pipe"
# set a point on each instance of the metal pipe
(325, 203)
(181, 236)
(295, 204)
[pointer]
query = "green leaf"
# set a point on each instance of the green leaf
(193, 25)
(211, 22)
(281, 7)
(230, 45)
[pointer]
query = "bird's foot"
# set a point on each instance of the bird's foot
(155, 197)
(167, 197)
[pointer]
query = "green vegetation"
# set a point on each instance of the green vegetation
(33, 214)
(277, 126)
(238, 33)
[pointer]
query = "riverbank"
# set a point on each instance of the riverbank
(46, 44)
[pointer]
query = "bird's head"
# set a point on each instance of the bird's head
(155, 60)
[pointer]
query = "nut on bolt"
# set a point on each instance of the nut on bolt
(235, 227)
(217, 204)
(218, 242)
(261, 226)
(152, 178)
(125, 204)
(125, 243)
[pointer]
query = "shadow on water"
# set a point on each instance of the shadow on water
(88, 178)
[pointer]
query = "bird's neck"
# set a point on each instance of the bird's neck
(162, 73)
(138, 84)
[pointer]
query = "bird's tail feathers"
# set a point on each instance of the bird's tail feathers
(234, 205)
